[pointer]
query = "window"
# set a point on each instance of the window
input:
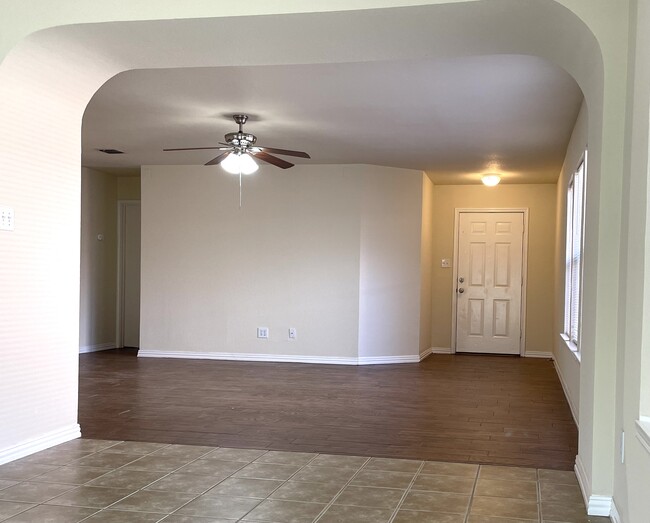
(574, 248)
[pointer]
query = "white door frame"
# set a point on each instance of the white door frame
(524, 272)
(121, 238)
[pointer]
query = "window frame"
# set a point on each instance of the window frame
(575, 201)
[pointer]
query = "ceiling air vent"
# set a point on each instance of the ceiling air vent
(111, 151)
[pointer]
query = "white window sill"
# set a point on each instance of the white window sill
(643, 432)
(573, 348)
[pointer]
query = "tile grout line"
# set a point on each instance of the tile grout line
(97, 510)
(20, 512)
(320, 514)
(336, 496)
(274, 490)
(144, 486)
(166, 474)
(471, 497)
(408, 489)
(539, 495)
(202, 493)
(283, 482)
(58, 467)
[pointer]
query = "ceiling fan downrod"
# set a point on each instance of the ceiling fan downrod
(240, 139)
(240, 119)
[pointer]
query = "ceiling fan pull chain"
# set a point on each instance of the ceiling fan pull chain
(240, 189)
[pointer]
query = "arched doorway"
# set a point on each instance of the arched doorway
(48, 79)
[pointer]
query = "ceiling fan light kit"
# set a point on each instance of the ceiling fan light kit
(239, 149)
(238, 152)
(237, 162)
(491, 179)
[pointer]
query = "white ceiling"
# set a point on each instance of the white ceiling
(453, 118)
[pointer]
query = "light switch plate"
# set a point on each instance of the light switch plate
(6, 218)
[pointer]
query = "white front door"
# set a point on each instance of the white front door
(489, 282)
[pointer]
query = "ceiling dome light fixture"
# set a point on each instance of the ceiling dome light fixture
(239, 163)
(490, 179)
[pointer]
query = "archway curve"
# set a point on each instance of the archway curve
(48, 79)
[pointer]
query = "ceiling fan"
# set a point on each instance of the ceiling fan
(239, 148)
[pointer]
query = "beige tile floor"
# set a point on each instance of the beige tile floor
(99, 481)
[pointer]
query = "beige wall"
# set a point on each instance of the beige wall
(332, 251)
(390, 211)
(98, 260)
(540, 200)
(128, 187)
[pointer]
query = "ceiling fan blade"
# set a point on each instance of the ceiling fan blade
(278, 162)
(285, 152)
(197, 148)
(218, 159)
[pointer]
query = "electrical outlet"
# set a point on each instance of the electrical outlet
(6, 219)
(293, 333)
(263, 332)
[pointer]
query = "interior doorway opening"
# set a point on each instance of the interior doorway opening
(128, 274)
(110, 261)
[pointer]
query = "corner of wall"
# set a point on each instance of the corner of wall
(45, 441)
(426, 265)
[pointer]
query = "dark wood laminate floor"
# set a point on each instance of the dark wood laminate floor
(463, 408)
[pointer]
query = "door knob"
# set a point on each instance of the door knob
(461, 290)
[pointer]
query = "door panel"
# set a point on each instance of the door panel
(476, 317)
(502, 265)
(489, 286)
(477, 264)
(500, 317)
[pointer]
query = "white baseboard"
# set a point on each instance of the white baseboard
(386, 360)
(282, 358)
(614, 514)
(97, 347)
(43, 442)
(599, 506)
(424, 355)
(596, 505)
(538, 354)
(572, 407)
(441, 350)
(237, 356)
(583, 480)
